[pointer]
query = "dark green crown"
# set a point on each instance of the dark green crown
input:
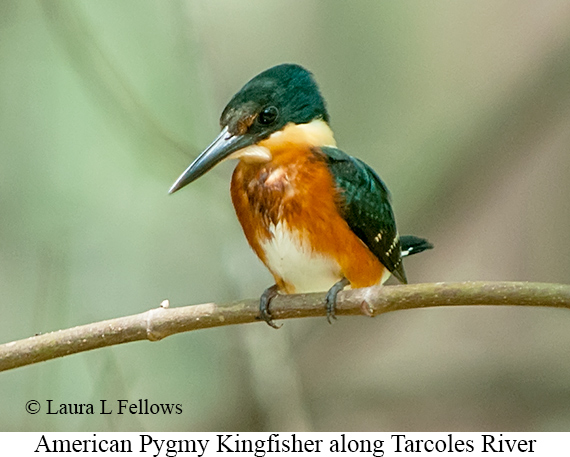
(277, 96)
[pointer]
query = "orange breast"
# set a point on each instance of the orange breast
(287, 208)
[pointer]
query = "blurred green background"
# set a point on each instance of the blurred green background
(463, 108)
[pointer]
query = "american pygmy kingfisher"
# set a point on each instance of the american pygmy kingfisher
(317, 218)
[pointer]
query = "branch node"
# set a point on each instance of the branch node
(151, 333)
(367, 308)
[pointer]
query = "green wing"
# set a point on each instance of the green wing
(365, 205)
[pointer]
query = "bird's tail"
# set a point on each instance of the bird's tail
(413, 245)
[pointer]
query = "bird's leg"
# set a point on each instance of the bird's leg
(264, 301)
(330, 301)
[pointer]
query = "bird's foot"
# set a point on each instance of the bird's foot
(264, 301)
(330, 300)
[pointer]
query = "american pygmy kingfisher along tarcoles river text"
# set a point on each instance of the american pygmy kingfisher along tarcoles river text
(317, 218)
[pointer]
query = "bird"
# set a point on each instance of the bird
(318, 218)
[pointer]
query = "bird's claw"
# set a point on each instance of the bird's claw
(330, 300)
(264, 301)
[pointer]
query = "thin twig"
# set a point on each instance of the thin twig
(159, 323)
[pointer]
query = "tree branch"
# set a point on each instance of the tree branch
(159, 323)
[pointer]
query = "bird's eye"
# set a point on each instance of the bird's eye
(268, 115)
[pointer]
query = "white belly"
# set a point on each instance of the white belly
(289, 256)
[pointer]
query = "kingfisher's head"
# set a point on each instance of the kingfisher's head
(280, 104)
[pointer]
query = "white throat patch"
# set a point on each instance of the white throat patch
(253, 153)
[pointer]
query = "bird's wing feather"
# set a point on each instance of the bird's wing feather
(364, 202)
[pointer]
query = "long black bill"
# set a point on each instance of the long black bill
(221, 148)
